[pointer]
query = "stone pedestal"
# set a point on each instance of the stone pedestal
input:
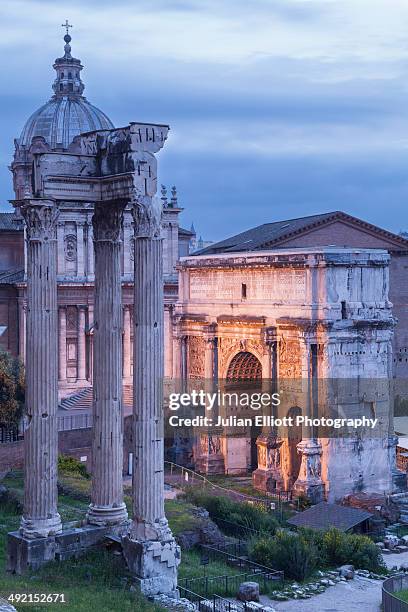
(268, 476)
(40, 516)
(107, 506)
(149, 547)
(29, 554)
(309, 482)
(153, 563)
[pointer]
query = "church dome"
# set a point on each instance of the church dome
(68, 113)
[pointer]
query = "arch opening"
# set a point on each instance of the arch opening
(244, 366)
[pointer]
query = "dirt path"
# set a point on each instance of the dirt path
(358, 595)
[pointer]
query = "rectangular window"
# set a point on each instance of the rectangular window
(243, 291)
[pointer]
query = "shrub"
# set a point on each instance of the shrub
(12, 390)
(289, 552)
(359, 550)
(70, 465)
(223, 508)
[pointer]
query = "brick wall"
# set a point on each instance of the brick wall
(74, 443)
(11, 456)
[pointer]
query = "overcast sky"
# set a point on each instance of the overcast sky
(277, 108)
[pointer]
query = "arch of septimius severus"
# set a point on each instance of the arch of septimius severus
(110, 169)
(317, 324)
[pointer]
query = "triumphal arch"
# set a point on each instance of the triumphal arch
(106, 171)
(315, 324)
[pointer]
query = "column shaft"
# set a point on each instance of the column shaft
(107, 506)
(40, 516)
(127, 370)
(62, 336)
(148, 477)
(22, 331)
(81, 344)
(80, 250)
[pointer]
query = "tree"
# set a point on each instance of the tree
(12, 390)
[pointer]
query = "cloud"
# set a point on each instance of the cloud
(277, 107)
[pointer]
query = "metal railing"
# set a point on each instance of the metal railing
(241, 561)
(390, 589)
(227, 584)
(237, 530)
(225, 605)
(214, 604)
(10, 434)
(74, 421)
(190, 477)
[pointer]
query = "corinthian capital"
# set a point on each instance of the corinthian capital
(40, 219)
(107, 220)
(147, 214)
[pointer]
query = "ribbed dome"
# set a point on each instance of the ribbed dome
(62, 118)
(68, 113)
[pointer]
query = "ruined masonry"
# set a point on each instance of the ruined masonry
(109, 169)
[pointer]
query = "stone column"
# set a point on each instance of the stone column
(268, 476)
(40, 516)
(127, 368)
(81, 343)
(309, 481)
(107, 506)
(80, 249)
(168, 342)
(61, 247)
(62, 336)
(209, 458)
(177, 369)
(149, 548)
(22, 330)
(127, 245)
(91, 266)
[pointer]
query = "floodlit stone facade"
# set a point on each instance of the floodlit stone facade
(294, 316)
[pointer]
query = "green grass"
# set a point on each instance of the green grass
(99, 580)
(179, 514)
(403, 595)
(190, 566)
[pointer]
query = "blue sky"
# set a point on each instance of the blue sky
(277, 108)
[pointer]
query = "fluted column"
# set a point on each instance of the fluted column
(40, 516)
(62, 335)
(80, 249)
(107, 506)
(168, 343)
(22, 330)
(148, 487)
(149, 548)
(309, 481)
(127, 369)
(81, 343)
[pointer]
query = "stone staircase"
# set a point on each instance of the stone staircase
(401, 500)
